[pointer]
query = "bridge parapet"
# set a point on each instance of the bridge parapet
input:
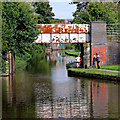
(63, 33)
(63, 28)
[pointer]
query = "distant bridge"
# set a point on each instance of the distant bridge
(63, 33)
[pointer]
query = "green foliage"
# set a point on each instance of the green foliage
(19, 27)
(22, 59)
(43, 11)
(96, 11)
(19, 30)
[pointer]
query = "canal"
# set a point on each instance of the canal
(45, 90)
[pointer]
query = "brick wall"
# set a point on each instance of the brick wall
(102, 51)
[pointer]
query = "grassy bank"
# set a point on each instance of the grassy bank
(72, 53)
(94, 73)
(97, 74)
(90, 71)
(111, 67)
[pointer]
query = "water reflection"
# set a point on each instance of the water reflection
(17, 96)
(100, 99)
(50, 93)
(38, 64)
(11, 88)
(65, 100)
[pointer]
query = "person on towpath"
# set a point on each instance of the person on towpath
(78, 61)
(98, 60)
(94, 62)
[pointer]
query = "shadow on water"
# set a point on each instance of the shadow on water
(46, 91)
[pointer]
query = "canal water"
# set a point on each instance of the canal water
(45, 90)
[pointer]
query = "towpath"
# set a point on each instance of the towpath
(74, 65)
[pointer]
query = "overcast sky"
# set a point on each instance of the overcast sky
(63, 10)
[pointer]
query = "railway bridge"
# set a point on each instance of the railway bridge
(92, 38)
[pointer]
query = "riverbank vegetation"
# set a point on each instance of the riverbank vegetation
(19, 29)
(22, 59)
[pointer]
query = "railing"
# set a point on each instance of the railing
(113, 32)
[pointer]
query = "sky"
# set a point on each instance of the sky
(62, 10)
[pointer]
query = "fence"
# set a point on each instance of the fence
(113, 32)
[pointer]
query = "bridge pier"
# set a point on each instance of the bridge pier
(97, 44)
(82, 55)
(86, 56)
(98, 41)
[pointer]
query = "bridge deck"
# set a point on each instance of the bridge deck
(63, 33)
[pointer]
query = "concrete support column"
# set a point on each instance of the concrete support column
(86, 54)
(98, 41)
(82, 55)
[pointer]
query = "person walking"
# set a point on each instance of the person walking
(98, 60)
(78, 61)
(94, 61)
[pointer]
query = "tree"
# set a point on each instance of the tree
(19, 27)
(43, 11)
(96, 11)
